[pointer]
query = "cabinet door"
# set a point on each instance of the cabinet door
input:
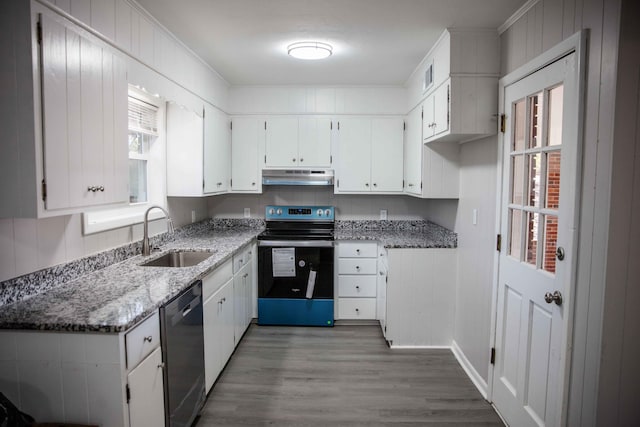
(441, 109)
(386, 154)
(218, 332)
(242, 300)
(281, 143)
(354, 155)
(246, 136)
(227, 341)
(314, 142)
(184, 151)
(428, 121)
(413, 152)
(84, 107)
(217, 150)
(146, 387)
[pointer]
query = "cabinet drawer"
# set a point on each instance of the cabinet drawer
(357, 308)
(357, 266)
(357, 286)
(357, 250)
(241, 258)
(142, 340)
(214, 280)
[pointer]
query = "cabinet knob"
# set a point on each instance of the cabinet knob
(357, 287)
(375, 185)
(253, 183)
(218, 184)
(357, 267)
(357, 310)
(148, 339)
(410, 185)
(358, 250)
(301, 160)
(293, 160)
(101, 188)
(367, 184)
(92, 189)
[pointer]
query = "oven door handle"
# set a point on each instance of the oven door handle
(297, 243)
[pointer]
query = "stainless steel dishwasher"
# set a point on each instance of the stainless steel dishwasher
(183, 350)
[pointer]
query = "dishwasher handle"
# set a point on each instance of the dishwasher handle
(189, 307)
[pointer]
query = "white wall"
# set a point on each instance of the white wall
(348, 207)
(544, 25)
(619, 383)
(317, 100)
(476, 249)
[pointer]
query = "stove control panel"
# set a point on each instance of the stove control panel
(299, 213)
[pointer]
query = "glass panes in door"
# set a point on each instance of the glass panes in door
(535, 152)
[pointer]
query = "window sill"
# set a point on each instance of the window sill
(99, 221)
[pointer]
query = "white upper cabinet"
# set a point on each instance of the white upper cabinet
(431, 170)
(299, 142)
(370, 155)
(64, 139)
(198, 151)
(247, 136)
(386, 154)
(461, 103)
(217, 150)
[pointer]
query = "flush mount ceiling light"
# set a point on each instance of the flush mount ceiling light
(310, 50)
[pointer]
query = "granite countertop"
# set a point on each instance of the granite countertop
(398, 234)
(115, 298)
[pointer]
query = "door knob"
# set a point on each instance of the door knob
(560, 253)
(553, 297)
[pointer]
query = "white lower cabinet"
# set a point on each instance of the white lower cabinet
(84, 377)
(420, 297)
(357, 275)
(217, 289)
(242, 291)
(146, 391)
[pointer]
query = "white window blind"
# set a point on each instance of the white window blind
(143, 117)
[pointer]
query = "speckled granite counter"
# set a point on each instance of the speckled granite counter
(398, 234)
(117, 297)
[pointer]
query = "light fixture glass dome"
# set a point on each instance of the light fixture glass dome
(310, 50)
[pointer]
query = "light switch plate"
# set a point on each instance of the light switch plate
(247, 212)
(383, 214)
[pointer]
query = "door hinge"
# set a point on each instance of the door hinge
(403, 183)
(231, 183)
(39, 32)
(128, 391)
(493, 355)
(265, 125)
(44, 191)
(203, 184)
(330, 159)
(404, 125)
(338, 125)
(231, 125)
(265, 159)
(422, 114)
(338, 183)
(420, 185)
(499, 242)
(503, 124)
(331, 125)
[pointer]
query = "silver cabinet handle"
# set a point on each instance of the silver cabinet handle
(148, 339)
(92, 189)
(101, 188)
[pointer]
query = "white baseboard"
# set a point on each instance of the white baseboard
(475, 377)
(420, 347)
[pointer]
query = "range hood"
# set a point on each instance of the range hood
(297, 177)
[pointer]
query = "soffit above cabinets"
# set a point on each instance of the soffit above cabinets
(376, 42)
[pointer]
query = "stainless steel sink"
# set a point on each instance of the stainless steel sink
(178, 259)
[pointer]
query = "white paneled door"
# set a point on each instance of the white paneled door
(538, 219)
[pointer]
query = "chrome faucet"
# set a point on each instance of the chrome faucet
(146, 250)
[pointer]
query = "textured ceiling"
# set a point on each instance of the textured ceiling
(376, 42)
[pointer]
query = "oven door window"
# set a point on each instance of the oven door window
(282, 277)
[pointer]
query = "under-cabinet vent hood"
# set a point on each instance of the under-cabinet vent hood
(297, 177)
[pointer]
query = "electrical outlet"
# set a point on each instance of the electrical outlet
(193, 216)
(247, 212)
(383, 214)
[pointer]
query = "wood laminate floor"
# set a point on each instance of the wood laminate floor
(340, 376)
